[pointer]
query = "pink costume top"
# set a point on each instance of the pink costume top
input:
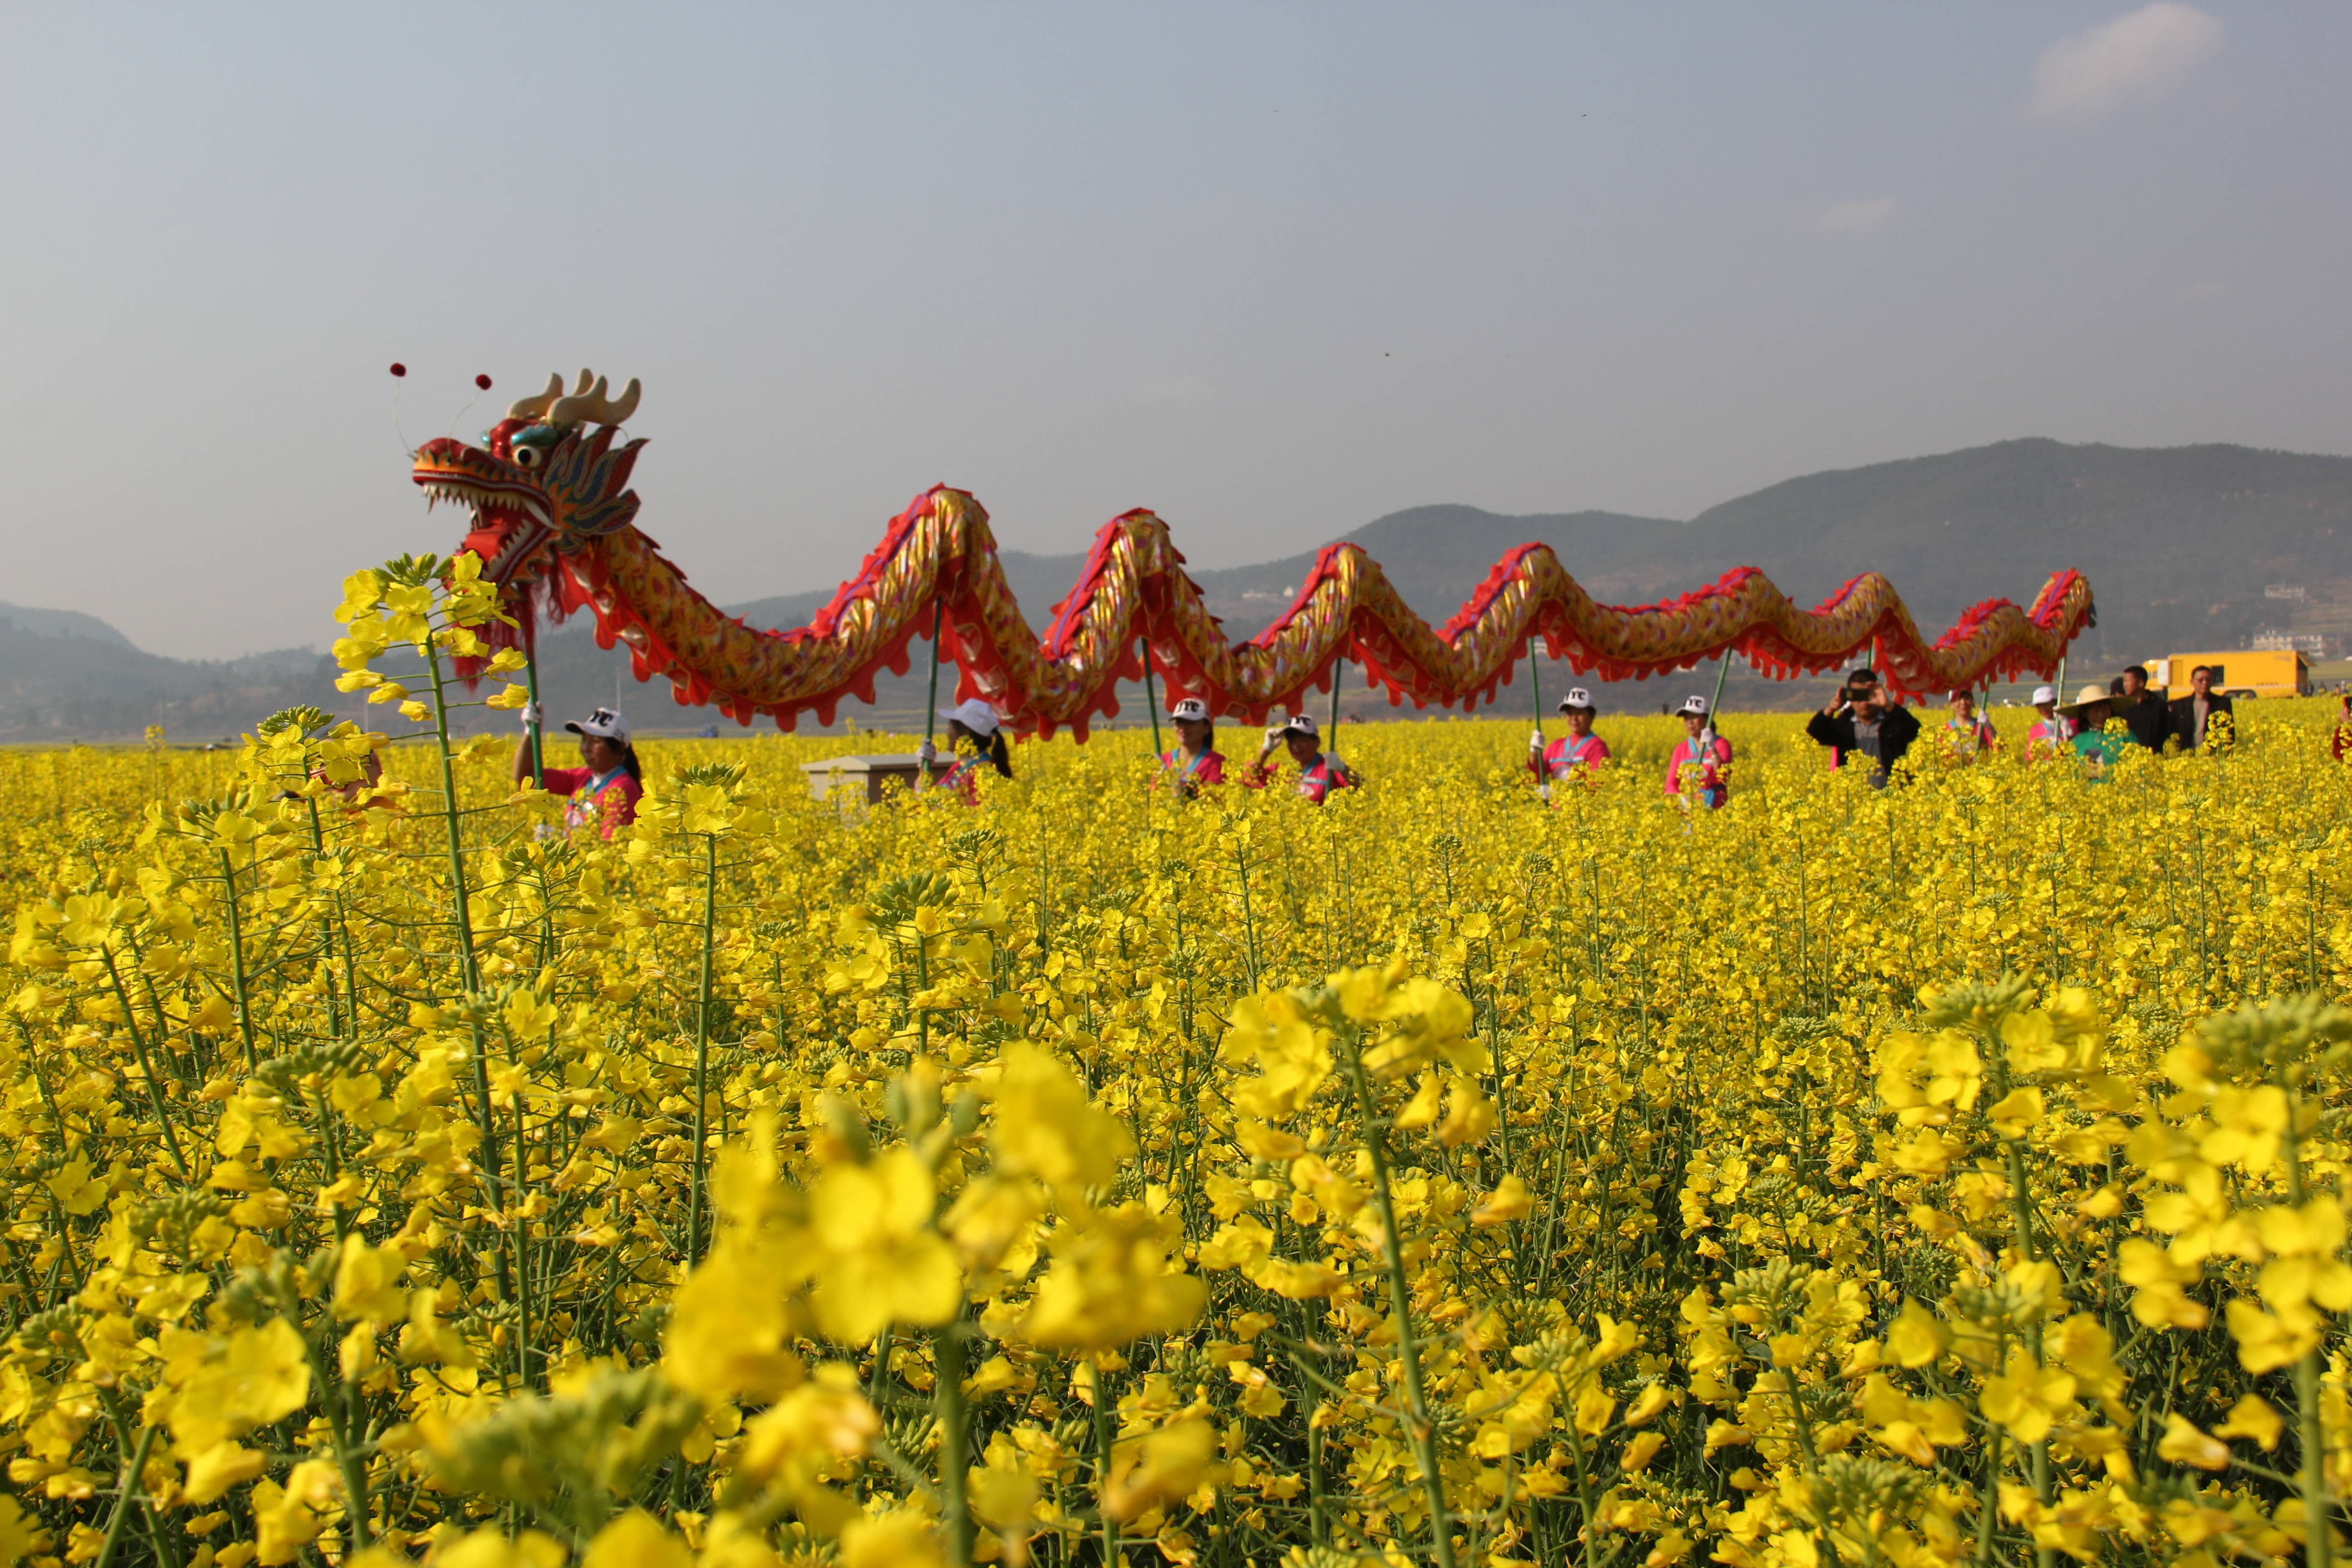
(1208, 768)
(1969, 736)
(1317, 780)
(1702, 768)
(1567, 754)
(963, 780)
(606, 801)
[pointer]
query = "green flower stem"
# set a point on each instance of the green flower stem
(702, 1049)
(236, 960)
(1988, 1496)
(519, 1240)
(469, 970)
(2020, 1208)
(947, 1408)
(1102, 1465)
(1424, 1432)
(1318, 1528)
(146, 1066)
(125, 1498)
(347, 1459)
(2318, 1545)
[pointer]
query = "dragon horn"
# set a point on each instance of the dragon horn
(536, 407)
(593, 405)
(580, 390)
(581, 406)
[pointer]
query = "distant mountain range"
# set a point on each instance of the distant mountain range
(2187, 548)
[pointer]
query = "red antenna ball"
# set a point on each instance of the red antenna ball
(483, 382)
(398, 368)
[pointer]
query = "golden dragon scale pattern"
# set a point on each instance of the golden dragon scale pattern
(1134, 593)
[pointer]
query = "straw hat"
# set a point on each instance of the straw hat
(2084, 698)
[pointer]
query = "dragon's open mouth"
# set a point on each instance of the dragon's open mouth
(485, 499)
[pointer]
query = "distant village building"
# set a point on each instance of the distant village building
(2283, 591)
(2310, 645)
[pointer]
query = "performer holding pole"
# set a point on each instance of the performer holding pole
(1696, 770)
(1575, 755)
(1195, 759)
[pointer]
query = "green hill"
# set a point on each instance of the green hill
(2180, 544)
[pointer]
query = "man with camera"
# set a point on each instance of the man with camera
(1865, 719)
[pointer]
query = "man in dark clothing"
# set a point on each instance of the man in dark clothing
(2192, 713)
(2143, 710)
(1862, 720)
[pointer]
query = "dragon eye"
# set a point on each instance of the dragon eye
(526, 457)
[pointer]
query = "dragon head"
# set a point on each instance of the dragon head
(543, 487)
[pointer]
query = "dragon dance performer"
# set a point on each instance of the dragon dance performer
(1575, 755)
(1195, 759)
(1695, 768)
(1318, 774)
(605, 789)
(1968, 734)
(975, 735)
(2050, 736)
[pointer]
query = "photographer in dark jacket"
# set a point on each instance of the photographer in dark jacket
(1862, 720)
(2142, 710)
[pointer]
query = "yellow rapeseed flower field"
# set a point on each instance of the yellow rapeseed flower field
(1951, 1174)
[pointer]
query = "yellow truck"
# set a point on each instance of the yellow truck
(2248, 672)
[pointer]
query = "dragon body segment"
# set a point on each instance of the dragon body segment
(554, 524)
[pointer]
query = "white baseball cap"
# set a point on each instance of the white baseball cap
(1300, 724)
(1190, 710)
(1578, 697)
(1694, 704)
(2045, 694)
(975, 715)
(605, 724)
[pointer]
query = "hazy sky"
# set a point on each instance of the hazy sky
(1272, 270)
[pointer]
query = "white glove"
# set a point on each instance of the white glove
(1543, 793)
(926, 754)
(1535, 742)
(533, 716)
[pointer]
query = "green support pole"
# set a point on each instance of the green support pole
(1715, 703)
(1336, 665)
(530, 680)
(1535, 683)
(932, 706)
(1151, 702)
(1534, 694)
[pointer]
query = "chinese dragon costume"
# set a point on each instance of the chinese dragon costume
(555, 523)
